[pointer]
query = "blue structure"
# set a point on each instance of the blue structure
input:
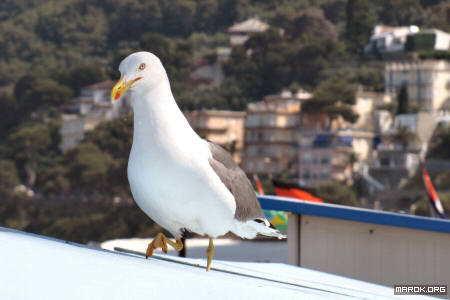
(354, 214)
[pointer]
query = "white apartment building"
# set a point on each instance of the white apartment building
(388, 39)
(428, 82)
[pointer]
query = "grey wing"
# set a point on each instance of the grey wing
(247, 205)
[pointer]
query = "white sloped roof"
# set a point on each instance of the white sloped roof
(36, 267)
(250, 25)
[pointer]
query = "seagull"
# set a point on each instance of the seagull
(181, 181)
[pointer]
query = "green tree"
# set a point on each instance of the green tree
(335, 10)
(201, 98)
(113, 137)
(400, 12)
(438, 16)
(427, 3)
(260, 66)
(54, 181)
(360, 19)
(178, 17)
(83, 75)
(371, 76)
(231, 11)
(227, 96)
(11, 8)
(9, 177)
(8, 113)
(206, 15)
(334, 97)
(245, 71)
(336, 193)
(84, 27)
(139, 17)
(28, 145)
(311, 57)
(314, 23)
(37, 92)
(440, 143)
(88, 167)
(233, 96)
(402, 100)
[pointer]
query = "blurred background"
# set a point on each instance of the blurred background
(336, 99)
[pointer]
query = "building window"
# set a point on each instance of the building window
(260, 150)
(251, 151)
(250, 166)
(306, 158)
(272, 120)
(306, 174)
(385, 161)
(325, 159)
(315, 160)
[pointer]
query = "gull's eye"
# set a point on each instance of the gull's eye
(142, 66)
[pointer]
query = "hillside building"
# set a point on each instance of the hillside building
(326, 156)
(393, 163)
(85, 112)
(271, 135)
(388, 39)
(428, 39)
(427, 82)
(239, 33)
(223, 127)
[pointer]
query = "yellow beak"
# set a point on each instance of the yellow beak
(121, 87)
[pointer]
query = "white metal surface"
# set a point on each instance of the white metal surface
(35, 267)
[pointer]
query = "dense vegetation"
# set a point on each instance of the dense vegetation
(49, 49)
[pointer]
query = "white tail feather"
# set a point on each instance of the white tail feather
(250, 229)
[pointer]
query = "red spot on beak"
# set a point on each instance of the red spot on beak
(117, 96)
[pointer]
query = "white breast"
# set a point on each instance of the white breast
(171, 179)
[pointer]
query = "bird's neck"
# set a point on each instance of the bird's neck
(157, 116)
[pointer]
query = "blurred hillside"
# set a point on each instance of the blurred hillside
(50, 49)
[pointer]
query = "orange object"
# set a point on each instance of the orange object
(297, 193)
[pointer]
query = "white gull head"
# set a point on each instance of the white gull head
(140, 71)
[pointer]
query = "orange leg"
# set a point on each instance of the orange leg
(210, 254)
(161, 241)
